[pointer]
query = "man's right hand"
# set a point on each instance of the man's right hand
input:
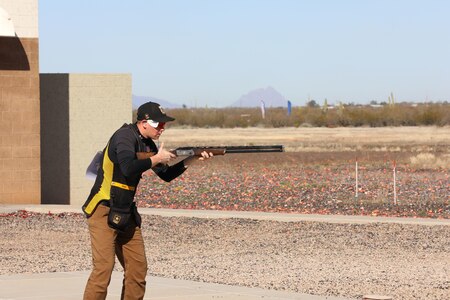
(163, 156)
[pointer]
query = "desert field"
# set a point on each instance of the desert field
(316, 174)
(383, 139)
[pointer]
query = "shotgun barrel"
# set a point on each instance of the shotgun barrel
(254, 149)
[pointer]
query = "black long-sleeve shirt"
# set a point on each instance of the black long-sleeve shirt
(121, 170)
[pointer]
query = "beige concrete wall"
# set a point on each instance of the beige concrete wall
(19, 106)
(99, 105)
(88, 109)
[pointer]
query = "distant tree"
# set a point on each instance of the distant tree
(401, 114)
(312, 103)
(373, 102)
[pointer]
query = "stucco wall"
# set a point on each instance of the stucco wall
(19, 105)
(86, 110)
(24, 14)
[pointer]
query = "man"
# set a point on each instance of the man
(113, 220)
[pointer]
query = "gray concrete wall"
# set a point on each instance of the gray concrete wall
(90, 107)
(55, 146)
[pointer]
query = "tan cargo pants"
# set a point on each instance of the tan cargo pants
(129, 248)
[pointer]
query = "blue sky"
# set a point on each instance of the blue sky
(211, 52)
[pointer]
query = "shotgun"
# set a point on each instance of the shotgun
(196, 151)
(184, 152)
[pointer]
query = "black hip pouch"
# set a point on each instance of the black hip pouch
(119, 218)
(121, 209)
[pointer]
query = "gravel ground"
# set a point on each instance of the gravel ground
(403, 261)
(318, 183)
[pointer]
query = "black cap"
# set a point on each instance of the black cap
(152, 111)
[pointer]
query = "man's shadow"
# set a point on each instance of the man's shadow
(12, 54)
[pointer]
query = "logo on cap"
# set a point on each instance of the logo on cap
(162, 111)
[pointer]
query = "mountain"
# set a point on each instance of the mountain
(270, 96)
(139, 100)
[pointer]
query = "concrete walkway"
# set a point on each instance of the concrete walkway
(281, 217)
(52, 286)
(70, 286)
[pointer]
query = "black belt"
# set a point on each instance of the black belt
(105, 203)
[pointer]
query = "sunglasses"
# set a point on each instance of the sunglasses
(156, 125)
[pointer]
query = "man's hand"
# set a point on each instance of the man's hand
(191, 159)
(205, 155)
(162, 157)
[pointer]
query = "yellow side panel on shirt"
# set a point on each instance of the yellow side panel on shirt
(105, 189)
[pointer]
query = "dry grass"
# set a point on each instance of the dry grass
(430, 161)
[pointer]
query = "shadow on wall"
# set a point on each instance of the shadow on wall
(55, 152)
(12, 54)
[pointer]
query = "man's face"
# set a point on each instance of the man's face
(153, 129)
